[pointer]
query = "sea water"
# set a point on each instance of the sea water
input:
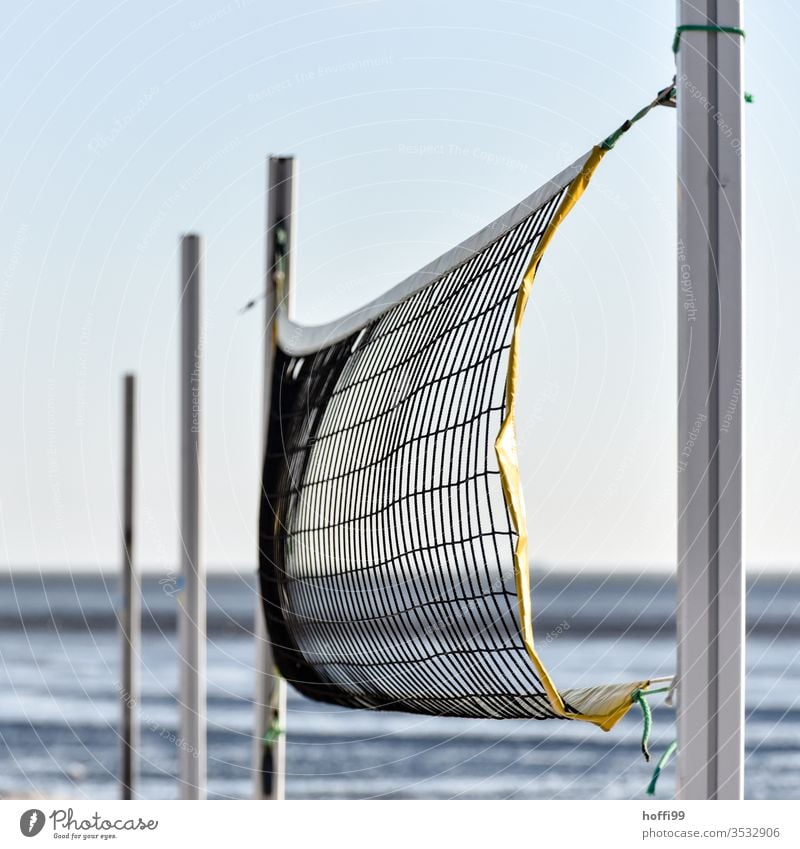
(60, 696)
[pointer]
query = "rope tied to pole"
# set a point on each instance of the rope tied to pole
(662, 762)
(676, 42)
(664, 98)
(272, 733)
(640, 697)
(647, 720)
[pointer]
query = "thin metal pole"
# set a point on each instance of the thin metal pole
(269, 739)
(192, 599)
(130, 620)
(710, 703)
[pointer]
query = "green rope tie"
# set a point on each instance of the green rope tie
(639, 697)
(663, 98)
(647, 716)
(676, 43)
(272, 734)
(662, 762)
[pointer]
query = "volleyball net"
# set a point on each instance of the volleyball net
(393, 542)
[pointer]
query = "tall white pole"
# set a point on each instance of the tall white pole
(192, 599)
(269, 746)
(130, 620)
(710, 620)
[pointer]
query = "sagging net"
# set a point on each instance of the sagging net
(388, 563)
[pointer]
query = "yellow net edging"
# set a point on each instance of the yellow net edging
(604, 705)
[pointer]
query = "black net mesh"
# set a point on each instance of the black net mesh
(386, 546)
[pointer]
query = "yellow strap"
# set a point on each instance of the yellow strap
(506, 449)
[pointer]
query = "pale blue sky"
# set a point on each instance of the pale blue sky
(415, 123)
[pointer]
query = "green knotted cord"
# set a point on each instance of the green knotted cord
(639, 697)
(273, 733)
(664, 97)
(676, 43)
(647, 717)
(662, 762)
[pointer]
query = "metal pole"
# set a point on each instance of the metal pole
(269, 739)
(130, 620)
(192, 738)
(710, 621)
